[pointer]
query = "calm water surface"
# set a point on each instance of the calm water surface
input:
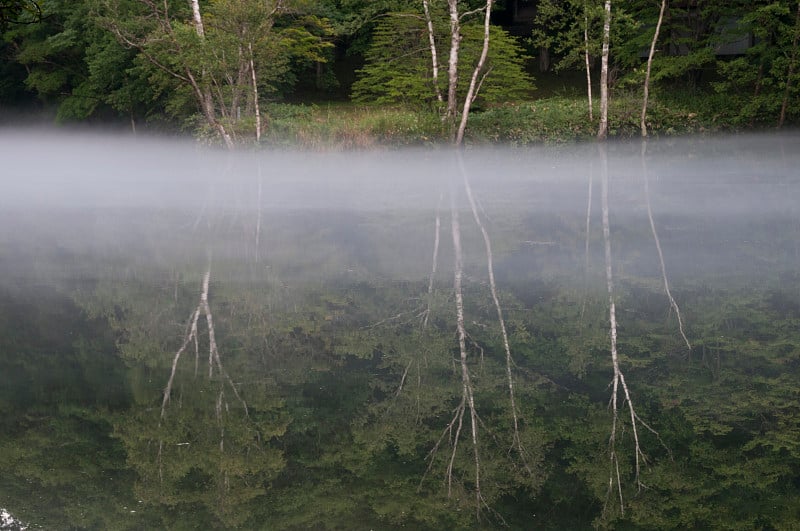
(192, 339)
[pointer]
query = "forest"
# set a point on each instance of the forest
(354, 73)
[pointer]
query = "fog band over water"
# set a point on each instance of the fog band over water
(282, 339)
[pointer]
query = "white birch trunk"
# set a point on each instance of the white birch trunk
(602, 132)
(649, 66)
(198, 19)
(255, 92)
(586, 58)
(618, 382)
(204, 95)
(432, 43)
(452, 62)
(474, 86)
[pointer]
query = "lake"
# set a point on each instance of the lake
(562, 337)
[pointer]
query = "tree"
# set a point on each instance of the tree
(72, 64)
(19, 12)
(762, 84)
(212, 58)
(649, 67)
(571, 31)
(400, 70)
(390, 76)
(602, 131)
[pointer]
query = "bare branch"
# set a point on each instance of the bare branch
(473, 12)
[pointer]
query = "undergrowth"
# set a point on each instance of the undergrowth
(556, 119)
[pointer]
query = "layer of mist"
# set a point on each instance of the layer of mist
(245, 337)
(719, 203)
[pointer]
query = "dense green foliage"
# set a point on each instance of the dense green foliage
(398, 64)
(143, 64)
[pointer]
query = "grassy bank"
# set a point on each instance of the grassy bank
(556, 119)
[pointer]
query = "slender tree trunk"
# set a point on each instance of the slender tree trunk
(206, 102)
(586, 59)
(474, 85)
(432, 43)
(602, 132)
(649, 66)
(204, 93)
(452, 62)
(255, 92)
(612, 318)
(790, 73)
(544, 59)
(759, 80)
(237, 85)
(198, 19)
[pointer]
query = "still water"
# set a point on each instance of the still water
(192, 339)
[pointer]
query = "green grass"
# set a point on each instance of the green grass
(349, 126)
(554, 119)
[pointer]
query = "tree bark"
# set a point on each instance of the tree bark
(204, 95)
(586, 58)
(198, 19)
(649, 66)
(432, 43)
(602, 132)
(452, 63)
(255, 92)
(474, 86)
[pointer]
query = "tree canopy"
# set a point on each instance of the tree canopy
(155, 64)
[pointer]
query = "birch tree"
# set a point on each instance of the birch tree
(478, 71)
(602, 131)
(649, 67)
(570, 29)
(220, 53)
